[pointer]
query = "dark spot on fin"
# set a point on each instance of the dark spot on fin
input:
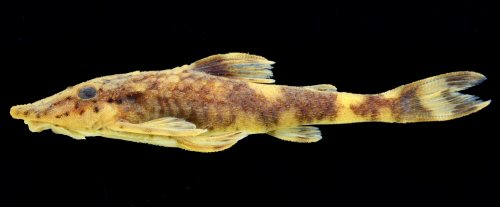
(241, 66)
(437, 98)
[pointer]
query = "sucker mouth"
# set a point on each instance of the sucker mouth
(37, 126)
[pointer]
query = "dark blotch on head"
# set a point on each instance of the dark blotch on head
(66, 113)
(96, 109)
(133, 96)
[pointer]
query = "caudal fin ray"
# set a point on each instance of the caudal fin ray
(438, 98)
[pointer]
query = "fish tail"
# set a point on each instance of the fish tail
(437, 98)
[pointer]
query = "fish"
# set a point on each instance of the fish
(211, 104)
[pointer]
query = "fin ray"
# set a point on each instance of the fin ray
(167, 126)
(437, 98)
(323, 87)
(303, 134)
(210, 143)
(241, 66)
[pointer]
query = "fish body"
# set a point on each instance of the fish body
(213, 103)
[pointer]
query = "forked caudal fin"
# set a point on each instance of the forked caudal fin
(436, 98)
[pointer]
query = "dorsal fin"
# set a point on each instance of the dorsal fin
(241, 66)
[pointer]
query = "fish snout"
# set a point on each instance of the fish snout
(22, 111)
(32, 111)
(31, 117)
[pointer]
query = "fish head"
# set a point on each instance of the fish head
(78, 111)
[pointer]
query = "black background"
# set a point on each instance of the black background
(359, 46)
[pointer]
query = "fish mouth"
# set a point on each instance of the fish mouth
(38, 126)
(36, 123)
(26, 113)
(39, 120)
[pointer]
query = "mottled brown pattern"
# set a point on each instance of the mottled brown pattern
(407, 106)
(372, 105)
(61, 102)
(310, 105)
(213, 102)
(212, 106)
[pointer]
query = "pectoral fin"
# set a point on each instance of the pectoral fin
(139, 138)
(304, 134)
(167, 126)
(241, 66)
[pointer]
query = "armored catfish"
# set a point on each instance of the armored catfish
(213, 103)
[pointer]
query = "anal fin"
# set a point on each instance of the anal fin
(303, 134)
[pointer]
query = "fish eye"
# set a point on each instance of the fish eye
(87, 92)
